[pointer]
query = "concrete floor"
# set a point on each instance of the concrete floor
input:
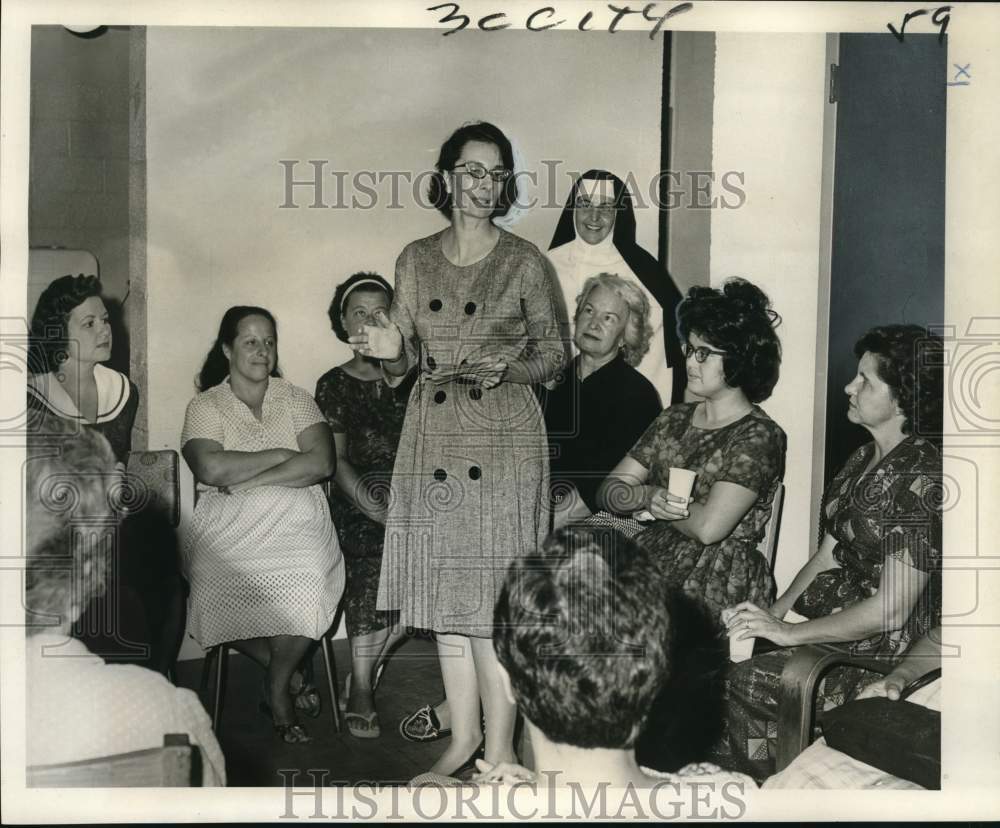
(255, 755)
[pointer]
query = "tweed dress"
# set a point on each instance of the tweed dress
(470, 482)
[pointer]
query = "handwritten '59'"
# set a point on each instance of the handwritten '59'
(547, 17)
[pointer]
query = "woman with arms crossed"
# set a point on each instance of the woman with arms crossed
(262, 557)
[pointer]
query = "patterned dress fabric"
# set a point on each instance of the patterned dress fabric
(470, 483)
(369, 416)
(892, 511)
(264, 561)
(750, 453)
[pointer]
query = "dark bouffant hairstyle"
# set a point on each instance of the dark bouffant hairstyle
(336, 309)
(738, 320)
(582, 628)
(910, 361)
(70, 476)
(216, 366)
(49, 331)
(482, 131)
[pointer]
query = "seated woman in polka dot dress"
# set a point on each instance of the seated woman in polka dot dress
(261, 554)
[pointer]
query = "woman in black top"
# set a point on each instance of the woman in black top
(603, 404)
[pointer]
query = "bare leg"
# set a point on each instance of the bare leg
(254, 648)
(395, 635)
(443, 711)
(458, 669)
(286, 652)
(498, 709)
(365, 653)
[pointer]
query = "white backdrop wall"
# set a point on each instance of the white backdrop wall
(224, 106)
(764, 84)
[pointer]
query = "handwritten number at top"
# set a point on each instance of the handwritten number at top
(939, 18)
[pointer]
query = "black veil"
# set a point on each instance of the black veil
(647, 269)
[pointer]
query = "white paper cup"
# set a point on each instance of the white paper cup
(681, 482)
(741, 649)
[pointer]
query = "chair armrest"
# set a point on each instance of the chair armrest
(158, 474)
(797, 693)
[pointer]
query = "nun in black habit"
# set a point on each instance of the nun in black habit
(596, 234)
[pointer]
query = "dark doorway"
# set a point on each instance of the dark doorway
(888, 205)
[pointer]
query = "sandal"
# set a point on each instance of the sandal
(363, 725)
(346, 695)
(309, 701)
(291, 733)
(423, 726)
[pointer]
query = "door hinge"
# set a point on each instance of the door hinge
(834, 83)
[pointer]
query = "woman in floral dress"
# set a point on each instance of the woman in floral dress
(366, 417)
(874, 584)
(708, 545)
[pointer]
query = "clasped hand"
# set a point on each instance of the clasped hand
(383, 340)
(747, 620)
(665, 506)
(506, 773)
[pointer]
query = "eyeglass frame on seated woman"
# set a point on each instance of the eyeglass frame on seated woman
(479, 172)
(701, 353)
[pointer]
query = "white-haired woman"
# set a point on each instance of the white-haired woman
(603, 404)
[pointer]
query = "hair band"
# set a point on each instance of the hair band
(357, 284)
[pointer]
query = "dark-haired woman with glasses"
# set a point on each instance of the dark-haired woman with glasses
(475, 314)
(707, 544)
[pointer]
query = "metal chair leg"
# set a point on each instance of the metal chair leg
(206, 669)
(220, 681)
(330, 663)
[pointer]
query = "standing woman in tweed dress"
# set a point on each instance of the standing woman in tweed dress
(475, 313)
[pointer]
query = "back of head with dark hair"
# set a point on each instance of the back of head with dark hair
(910, 361)
(216, 365)
(48, 345)
(738, 320)
(372, 282)
(582, 628)
(451, 150)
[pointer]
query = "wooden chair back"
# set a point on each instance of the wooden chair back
(158, 472)
(175, 765)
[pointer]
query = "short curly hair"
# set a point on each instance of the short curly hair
(736, 319)
(910, 360)
(638, 330)
(70, 477)
(451, 149)
(336, 309)
(49, 323)
(583, 630)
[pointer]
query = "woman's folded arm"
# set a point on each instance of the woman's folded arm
(214, 466)
(820, 562)
(314, 462)
(887, 610)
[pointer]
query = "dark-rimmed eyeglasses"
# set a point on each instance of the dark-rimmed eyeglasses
(477, 170)
(701, 353)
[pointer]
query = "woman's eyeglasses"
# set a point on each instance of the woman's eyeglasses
(701, 353)
(477, 170)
